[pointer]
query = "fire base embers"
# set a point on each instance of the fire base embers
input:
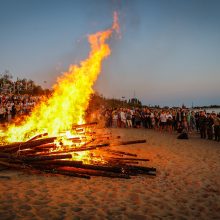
(88, 154)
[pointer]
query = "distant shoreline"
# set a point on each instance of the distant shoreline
(208, 109)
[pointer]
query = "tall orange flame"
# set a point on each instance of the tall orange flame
(71, 93)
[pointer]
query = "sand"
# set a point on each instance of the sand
(187, 185)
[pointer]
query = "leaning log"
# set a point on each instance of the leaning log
(37, 137)
(33, 158)
(56, 163)
(14, 166)
(95, 172)
(26, 145)
(10, 146)
(6, 155)
(129, 142)
(128, 158)
(121, 152)
(93, 147)
(43, 158)
(68, 173)
(68, 150)
(140, 170)
(79, 164)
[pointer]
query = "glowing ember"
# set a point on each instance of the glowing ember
(71, 94)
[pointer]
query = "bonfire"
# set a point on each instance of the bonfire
(55, 138)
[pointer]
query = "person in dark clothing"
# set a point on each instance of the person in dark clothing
(197, 121)
(210, 124)
(148, 119)
(137, 116)
(216, 119)
(144, 118)
(13, 112)
(183, 135)
(202, 124)
(179, 127)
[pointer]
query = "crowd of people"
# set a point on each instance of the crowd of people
(176, 119)
(181, 120)
(16, 105)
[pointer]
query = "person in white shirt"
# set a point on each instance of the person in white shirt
(114, 119)
(169, 122)
(123, 118)
(163, 120)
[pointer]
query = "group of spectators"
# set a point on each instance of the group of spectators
(181, 119)
(16, 105)
(174, 119)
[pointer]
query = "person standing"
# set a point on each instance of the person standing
(2, 113)
(210, 124)
(202, 124)
(163, 121)
(123, 118)
(115, 119)
(169, 122)
(128, 119)
(192, 121)
(216, 121)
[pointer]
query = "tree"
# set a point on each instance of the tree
(37, 90)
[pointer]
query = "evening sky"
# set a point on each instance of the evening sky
(168, 53)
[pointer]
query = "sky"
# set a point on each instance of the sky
(168, 53)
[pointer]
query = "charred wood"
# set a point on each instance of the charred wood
(129, 159)
(26, 145)
(129, 142)
(68, 173)
(37, 137)
(93, 147)
(57, 163)
(42, 158)
(121, 152)
(95, 172)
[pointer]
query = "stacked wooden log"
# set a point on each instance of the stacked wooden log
(51, 155)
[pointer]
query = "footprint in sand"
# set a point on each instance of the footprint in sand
(42, 202)
(64, 204)
(134, 198)
(30, 193)
(25, 207)
(77, 209)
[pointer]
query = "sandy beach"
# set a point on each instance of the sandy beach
(187, 185)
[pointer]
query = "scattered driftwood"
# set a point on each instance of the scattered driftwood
(68, 173)
(131, 159)
(120, 153)
(42, 154)
(131, 142)
(91, 172)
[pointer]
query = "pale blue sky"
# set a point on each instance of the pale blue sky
(169, 52)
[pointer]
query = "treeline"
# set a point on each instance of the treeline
(207, 106)
(98, 101)
(19, 86)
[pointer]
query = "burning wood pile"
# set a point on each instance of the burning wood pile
(86, 153)
(83, 151)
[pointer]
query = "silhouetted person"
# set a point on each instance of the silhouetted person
(210, 123)
(202, 124)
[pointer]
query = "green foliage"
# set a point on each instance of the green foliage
(98, 102)
(20, 86)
